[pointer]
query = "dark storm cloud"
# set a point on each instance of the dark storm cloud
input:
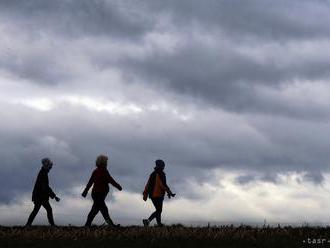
(124, 19)
(74, 146)
(75, 19)
(245, 179)
(226, 78)
(236, 56)
(222, 73)
(73, 138)
(312, 176)
(41, 68)
(315, 176)
(240, 60)
(39, 33)
(280, 20)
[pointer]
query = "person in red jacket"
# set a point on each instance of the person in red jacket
(100, 180)
(42, 192)
(155, 189)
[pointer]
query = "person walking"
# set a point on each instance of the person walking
(155, 189)
(42, 192)
(100, 180)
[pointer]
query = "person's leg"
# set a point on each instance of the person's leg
(159, 209)
(49, 210)
(104, 209)
(153, 215)
(158, 204)
(95, 209)
(33, 214)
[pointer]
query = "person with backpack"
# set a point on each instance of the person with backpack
(42, 192)
(100, 180)
(155, 189)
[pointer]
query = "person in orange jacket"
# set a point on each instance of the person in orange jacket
(155, 189)
(100, 180)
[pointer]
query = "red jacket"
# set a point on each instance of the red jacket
(101, 179)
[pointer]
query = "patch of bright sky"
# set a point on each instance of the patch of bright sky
(223, 200)
(99, 105)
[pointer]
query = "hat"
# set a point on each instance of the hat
(160, 164)
(47, 164)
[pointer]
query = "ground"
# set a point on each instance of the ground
(169, 236)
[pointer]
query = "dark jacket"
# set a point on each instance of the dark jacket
(156, 185)
(101, 179)
(41, 190)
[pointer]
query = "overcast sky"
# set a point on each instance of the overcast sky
(233, 95)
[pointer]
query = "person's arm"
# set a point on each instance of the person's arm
(50, 191)
(113, 182)
(89, 185)
(163, 182)
(165, 186)
(52, 194)
(146, 190)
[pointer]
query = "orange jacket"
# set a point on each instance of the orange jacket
(156, 185)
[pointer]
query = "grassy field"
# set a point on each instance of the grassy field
(169, 236)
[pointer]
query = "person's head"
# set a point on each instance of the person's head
(160, 165)
(101, 161)
(47, 164)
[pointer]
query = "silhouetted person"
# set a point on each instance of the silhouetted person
(155, 189)
(42, 192)
(100, 180)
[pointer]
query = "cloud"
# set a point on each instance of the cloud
(202, 58)
(72, 18)
(74, 137)
(230, 85)
(218, 205)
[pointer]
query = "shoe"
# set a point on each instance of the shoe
(159, 225)
(109, 223)
(146, 222)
